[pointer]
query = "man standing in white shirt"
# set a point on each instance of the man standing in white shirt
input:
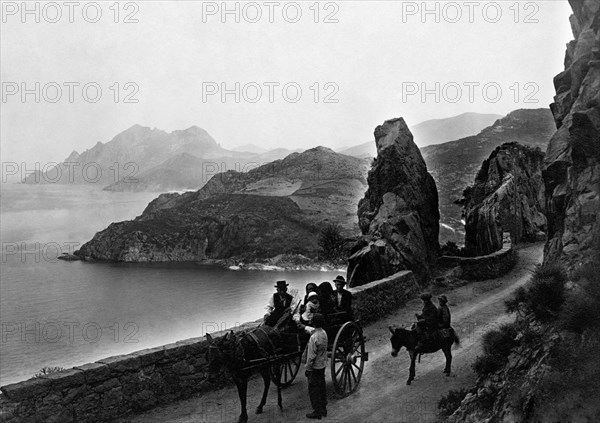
(316, 361)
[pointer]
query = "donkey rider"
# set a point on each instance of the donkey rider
(427, 321)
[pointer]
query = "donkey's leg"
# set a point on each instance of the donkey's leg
(448, 353)
(266, 375)
(279, 402)
(242, 386)
(411, 372)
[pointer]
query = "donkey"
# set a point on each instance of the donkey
(235, 353)
(408, 338)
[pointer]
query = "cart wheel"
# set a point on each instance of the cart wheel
(347, 359)
(287, 371)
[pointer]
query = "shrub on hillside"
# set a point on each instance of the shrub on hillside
(451, 249)
(450, 402)
(332, 242)
(544, 294)
(497, 345)
(581, 310)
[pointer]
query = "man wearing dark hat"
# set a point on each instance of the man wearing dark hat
(343, 297)
(443, 313)
(278, 304)
(427, 321)
(316, 361)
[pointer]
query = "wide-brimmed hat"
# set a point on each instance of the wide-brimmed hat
(281, 284)
(339, 279)
(318, 320)
(443, 298)
(312, 294)
(425, 296)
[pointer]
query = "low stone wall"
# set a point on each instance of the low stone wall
(117, 386)
(377, 299)
(485, 267)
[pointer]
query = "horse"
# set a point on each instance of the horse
(234, 353)
(408, 338)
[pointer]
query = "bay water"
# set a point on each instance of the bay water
(58, 313)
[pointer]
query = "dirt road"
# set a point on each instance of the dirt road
(383, 395)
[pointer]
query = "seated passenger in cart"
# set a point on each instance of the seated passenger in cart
(310, 309)
(279, 303)
(343, 298)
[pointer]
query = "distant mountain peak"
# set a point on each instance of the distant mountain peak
(195, 129)
(250, 148)
(319, 149)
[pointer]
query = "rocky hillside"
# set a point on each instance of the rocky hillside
(572, 164)
(274, 209)
(398, 215)
(454, 165)
(508, 196)
(246, 227)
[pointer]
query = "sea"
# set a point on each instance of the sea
(56, 313)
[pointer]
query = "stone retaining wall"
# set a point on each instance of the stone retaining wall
(485, 267)
(377, 299)
(117, 386)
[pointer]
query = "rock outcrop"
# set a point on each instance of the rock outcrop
(572, 165)
(454, 165)
(398, 216)
(508, 196)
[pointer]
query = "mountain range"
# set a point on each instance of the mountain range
(434, 131)
(145, 159)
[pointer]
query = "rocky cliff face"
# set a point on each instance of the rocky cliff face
(572, 165)
(454, 165)
(246, 227)
(508, 196)
(398, 215)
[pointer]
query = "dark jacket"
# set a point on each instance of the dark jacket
(346, 302)
(325, 300)
(429, 316)
(444, 316)
(280, 305)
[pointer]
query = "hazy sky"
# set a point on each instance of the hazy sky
(374, 62)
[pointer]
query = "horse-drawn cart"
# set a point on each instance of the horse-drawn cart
(345, 350)
(277, 355)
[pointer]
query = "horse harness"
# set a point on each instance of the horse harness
(239, 349)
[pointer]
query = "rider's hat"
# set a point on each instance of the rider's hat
(339, 279)
(281, 284)
(312, 294)
(425, 296)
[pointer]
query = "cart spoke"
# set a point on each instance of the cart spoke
(337, 372)
(352, 373)
(349, 381)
